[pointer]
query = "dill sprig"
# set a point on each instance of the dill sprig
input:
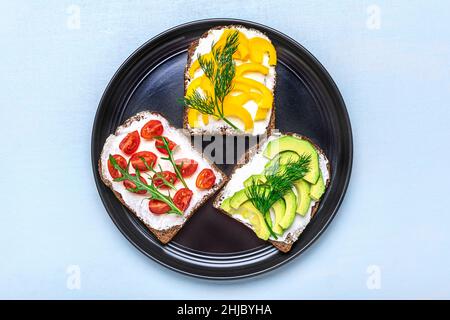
(171, 159)
(204, 104)
(140, 186)
(279, 180)
(220, 70)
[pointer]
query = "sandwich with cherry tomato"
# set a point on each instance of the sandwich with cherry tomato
(155, 172)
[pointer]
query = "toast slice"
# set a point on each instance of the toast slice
(262, 124)
(163, 226)
(253, 162)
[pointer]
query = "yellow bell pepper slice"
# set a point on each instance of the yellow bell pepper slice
(205, 118)
(241, 87)
(242, 52)
(239, 99)
(257, 97)
(238, 111)
(193, 85)
(261, 114)
(193, 117)
(258, 47)
(251, 67)
(196, 65)
(267, 99)
(242, 98)
(243, 48)
(203, 83)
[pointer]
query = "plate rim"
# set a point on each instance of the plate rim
(323, 72)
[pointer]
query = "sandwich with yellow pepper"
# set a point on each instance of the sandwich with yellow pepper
(229, 82)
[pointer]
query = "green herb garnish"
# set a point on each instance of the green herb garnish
(158, 174)
(279, 180)
(170, 158)
(220, 70)
(140, 186)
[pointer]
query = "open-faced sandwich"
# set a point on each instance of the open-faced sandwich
(229, 82)
(154, 171)
(277, 189)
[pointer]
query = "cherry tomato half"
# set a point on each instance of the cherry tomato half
(186, 166)
(205, 179)
(167, 175)
(130, 143)
(152, 129)
(130, 185)
(149, 157)
(158, 206)
(182, 198)
(121, 162)
(159, 144)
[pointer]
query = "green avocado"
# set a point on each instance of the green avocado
(256, 219)
(258, 178)
(247, 210)
(299, 146)
(225, 205)
(279, 208)
(260, 227)
(291, 205)
(317, 190)
(282, 158)
(238, 199)
(303, 198)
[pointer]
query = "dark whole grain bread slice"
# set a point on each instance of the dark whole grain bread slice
(223, 130)
(162, 235)
(283, 246)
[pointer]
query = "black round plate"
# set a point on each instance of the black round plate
(211, 245)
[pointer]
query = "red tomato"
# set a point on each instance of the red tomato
(121, 162)
(130, 143)
(158, 206)
(186, 166)
(205, 179)
(167, 175)
(152, 129)
(159, 144)
(137, 162)
(182, 198)
(130, 185)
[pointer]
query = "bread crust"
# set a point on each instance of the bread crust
(283, 246)
(164, 236)
(223, 130)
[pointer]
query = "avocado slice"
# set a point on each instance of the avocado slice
(258, 178)
(247, 210)
(303, 198)
(256, 218)
(238, 199)
(291, 205)
(225, 205)
(282, 158)
(317, 190)
(299, 146)
(279, 209)
(259, 226)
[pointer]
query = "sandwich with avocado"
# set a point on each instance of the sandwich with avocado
(277, 191)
